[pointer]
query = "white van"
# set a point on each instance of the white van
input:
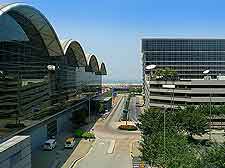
(50, 144)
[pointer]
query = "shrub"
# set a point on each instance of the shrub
(128, 127)
(88, 135)
(79, 133)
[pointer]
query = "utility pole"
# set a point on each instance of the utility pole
(18, 97)
(164, 134)
(210, 115)
(210, 105)
(89, 109)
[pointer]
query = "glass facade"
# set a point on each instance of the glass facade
(190, 57)
(28, 45)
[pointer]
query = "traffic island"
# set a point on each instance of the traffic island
(128, 127)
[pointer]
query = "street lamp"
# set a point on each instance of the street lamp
(149, 68)
(51, 67)
(89, 106)
(210, 107)
(1, 73)
(206, 71)
(164, 116)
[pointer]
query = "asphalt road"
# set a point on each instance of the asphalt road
(106, 132)
(54, 158)
(134, 110)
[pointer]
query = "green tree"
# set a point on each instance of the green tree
(213, 157)
(191, 120)
(178, 153)
(166, 73)
(151, 121)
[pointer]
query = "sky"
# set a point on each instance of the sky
(112, 29)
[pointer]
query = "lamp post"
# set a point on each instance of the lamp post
(164, 117)
(210, 107)
(89, 107)
(149, 68)
(51, 82)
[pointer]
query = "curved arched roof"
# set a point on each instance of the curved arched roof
(103, 69)
(77, 50)
(93, 63)
(40, 22)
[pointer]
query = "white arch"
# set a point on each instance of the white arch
(77, 50)
(40, 22)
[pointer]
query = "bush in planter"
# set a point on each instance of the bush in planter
(128, 127)
(88, 135)
(79, 133)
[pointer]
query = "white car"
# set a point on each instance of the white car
(50, 144)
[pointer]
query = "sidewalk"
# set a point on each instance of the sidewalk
(135, 149)
(81, 150)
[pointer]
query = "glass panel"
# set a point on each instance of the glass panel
(11, 30)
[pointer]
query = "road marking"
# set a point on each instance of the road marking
(75, 162)
(111, 146)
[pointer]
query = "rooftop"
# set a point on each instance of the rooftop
(11, 142)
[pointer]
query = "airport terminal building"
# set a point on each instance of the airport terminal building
(189, 58)
(37, 69)
(44, 82)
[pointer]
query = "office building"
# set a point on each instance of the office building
(189, 58)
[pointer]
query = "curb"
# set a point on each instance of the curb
(131, 144)
(116, 106)
(74, 163)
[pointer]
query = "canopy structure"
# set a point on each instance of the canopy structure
(103, 70)
(93, 63)
(40, 23)
(74, 53)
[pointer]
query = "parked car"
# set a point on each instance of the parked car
(50, 144)
(70, 142)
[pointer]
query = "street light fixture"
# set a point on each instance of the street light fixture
(88, 97)
(164, 115)
(210, 107)
(1, 73)
(51, 67)
(206, 71)
(149, 68)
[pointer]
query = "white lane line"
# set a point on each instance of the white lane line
(111, 146)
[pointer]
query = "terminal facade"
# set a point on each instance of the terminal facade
(189, 58)
(37, 69)
(44, 82)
